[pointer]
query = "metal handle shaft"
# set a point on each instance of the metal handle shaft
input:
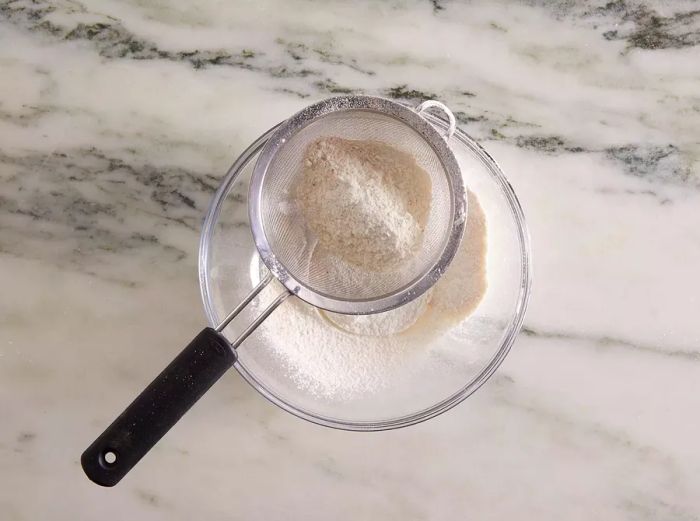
(244, 303)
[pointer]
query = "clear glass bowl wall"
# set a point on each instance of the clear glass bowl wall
(455, 364)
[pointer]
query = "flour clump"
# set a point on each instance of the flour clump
(366, 202)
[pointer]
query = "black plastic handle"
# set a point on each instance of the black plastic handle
(158, 408)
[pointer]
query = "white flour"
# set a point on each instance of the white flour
(459, 291)
(381, 324)
(365, 201)
(342, 356)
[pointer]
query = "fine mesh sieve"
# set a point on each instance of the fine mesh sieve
(286, 246)
(285, 242)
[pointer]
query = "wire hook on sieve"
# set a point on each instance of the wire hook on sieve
(429, 104)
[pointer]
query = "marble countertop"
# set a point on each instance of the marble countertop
(119, 119)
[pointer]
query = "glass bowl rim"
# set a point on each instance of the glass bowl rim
(513, 328)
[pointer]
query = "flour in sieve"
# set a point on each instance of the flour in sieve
(365, 201)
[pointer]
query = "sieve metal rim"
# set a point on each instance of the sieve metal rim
(385, 107)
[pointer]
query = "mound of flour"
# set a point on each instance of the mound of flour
(366, 202)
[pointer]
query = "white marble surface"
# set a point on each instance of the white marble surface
(117, 121)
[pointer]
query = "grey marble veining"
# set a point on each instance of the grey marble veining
(119, 119)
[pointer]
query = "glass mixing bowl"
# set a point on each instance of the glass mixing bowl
(455, 364)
